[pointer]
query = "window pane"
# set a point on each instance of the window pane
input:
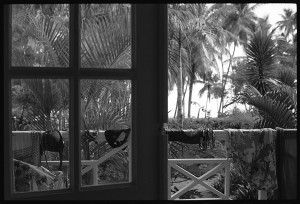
(106, 36)
(105, 131)
(39, 105)
(40, 35)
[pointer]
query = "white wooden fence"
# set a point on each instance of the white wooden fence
(223, 163)
(22, 139)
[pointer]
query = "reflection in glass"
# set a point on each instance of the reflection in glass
(39, 105)
(40, 35)
(105, 131)
(105, 36)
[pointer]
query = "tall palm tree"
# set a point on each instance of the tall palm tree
(260, 61)
(203, 35)
(211, 86)
(238, 22)
(178, 17)
(288, 23)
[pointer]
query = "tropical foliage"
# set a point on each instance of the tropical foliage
(268, 87)
(40, 38)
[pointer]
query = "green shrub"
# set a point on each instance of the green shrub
(241, 120)
(240, 189)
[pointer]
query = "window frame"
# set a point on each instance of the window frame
(150, 128)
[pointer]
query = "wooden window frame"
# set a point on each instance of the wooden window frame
(148, 76)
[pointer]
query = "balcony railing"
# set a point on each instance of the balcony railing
(89, 165)
(223, 163)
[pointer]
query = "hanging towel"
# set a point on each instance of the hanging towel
(253, 154)
(32, 178)
(203, 137)
(287, 164)
(187, 137)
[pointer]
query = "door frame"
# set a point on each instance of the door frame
(149, 153)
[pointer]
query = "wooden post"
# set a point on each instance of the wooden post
(95, 175)
(169, 181)
(227, 179)
(262, 195)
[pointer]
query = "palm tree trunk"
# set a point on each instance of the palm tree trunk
(179, 83)
(219, 110)
(191, 90)
(225, 81)
(206, 105)
(183, 100)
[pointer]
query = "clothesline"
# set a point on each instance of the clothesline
(218, 134)
(222, 135)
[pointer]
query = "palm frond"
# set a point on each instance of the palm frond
(261, 64)
(106, 40)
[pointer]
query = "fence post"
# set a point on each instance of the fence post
(169, 181)
(262, 195)
(227, 179)
(95, 175)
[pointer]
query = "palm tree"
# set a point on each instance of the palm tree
(260, 61)
(105, 36)
(275, 100)
(204, 33)
(177, 21)
(288, 23)
(39, 39)
(211, 86)
(238, 22)
(43, 100)
(277, 108)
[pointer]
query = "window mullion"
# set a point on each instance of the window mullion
(75, 168)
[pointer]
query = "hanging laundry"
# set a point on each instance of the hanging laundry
(253, 154)
(32, 178)
(203, 137)
(287, 163)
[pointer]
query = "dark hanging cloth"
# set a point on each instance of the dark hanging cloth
(52, 141)
(188, 137)
(287, 163)
(112, 137)
(204, 137)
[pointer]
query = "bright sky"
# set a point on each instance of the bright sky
(273, 10)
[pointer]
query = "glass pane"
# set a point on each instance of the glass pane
(106, 36)
(40, 35)
(40, 134)
(105, 131)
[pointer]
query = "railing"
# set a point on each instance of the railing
(219, 135)
(89, 164)
(223, 163)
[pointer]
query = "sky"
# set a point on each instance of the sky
(273, 10)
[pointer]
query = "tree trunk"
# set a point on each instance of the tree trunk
(179, 84)
(183, 99)
(206, 105)
(225, 81)
(191, 90)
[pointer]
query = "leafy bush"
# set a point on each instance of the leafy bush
(240, 120)
(240, 189)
